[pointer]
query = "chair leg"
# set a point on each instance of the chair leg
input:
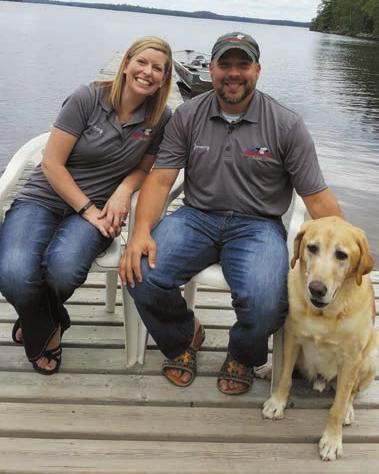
(277, 358)
(142, 342)
(131, 318)
(190, 294)
(111, 291)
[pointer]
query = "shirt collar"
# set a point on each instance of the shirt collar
(137, 117)
(251, 113)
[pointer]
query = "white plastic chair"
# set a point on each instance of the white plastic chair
(29, 155)
(211, 276)
(135, 330)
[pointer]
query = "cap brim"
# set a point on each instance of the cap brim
(228, 47)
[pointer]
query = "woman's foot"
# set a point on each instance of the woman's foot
(17, 333)
(44, 362)
(183, 377)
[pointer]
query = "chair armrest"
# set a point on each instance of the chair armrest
(176, 189)
(31, 152)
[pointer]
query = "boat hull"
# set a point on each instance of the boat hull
(196, 81)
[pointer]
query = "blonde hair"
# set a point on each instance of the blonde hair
(156, 103)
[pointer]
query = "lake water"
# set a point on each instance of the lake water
(46, 51)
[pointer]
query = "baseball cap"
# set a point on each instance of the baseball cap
(236, 40)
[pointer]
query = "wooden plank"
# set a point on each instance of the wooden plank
(113, 336)
(112, 361)
(245, 425)
(96, 314)
(66, 456)
(106, 361)
(97, 296)
(123, 389)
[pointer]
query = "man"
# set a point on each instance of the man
(243, 154)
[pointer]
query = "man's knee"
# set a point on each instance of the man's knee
(155, 283)
(262, 314)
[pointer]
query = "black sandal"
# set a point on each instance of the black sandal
(16, 327)
(237, 372)
(50, 354)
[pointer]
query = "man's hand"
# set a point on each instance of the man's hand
(130, 264)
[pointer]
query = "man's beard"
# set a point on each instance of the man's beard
(235, 99)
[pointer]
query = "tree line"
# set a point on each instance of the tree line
(348, 17)
(163, 11)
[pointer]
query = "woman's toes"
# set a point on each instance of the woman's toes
(42, 362)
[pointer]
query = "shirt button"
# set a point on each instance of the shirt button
(227, 148)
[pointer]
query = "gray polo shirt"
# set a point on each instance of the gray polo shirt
(250, 166)
(106, 150)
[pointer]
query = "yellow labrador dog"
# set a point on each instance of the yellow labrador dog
(329, 332)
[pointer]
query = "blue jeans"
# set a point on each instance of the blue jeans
(253, 255)
(44, 256)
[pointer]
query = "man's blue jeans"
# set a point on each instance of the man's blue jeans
(44, 256)
(253, 255)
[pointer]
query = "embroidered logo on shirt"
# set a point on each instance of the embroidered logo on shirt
(200, 147)
(257, 152)
(142, 134)
(97, 129)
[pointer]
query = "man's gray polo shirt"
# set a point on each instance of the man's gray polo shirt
(250, 166)
(106, 150)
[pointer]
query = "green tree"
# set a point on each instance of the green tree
(348, 17)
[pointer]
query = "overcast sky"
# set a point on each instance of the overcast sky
(297, 10)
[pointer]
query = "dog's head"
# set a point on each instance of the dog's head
(330, 251)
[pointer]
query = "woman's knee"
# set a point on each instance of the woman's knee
(19, 282)
(63, 274)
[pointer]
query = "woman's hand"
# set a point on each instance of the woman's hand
(116, 210)
(92, 215)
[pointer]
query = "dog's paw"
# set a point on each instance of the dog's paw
(263, 371)
(330, 447)
(319, 384)
(349, 417)
(273, 409)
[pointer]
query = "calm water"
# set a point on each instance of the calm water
(332, 81)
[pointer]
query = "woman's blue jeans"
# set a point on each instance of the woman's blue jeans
(44, 256)
(253, 255)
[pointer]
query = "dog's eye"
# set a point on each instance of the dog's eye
(340, 255)
(312, 248)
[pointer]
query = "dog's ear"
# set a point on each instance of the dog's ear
(297, 242)
(366, 262)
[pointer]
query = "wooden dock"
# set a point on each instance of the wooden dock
(96, 416)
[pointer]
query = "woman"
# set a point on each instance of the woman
(100, 149)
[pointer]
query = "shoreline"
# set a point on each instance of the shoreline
(364, 36)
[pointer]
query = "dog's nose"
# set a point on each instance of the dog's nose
(317, 289)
